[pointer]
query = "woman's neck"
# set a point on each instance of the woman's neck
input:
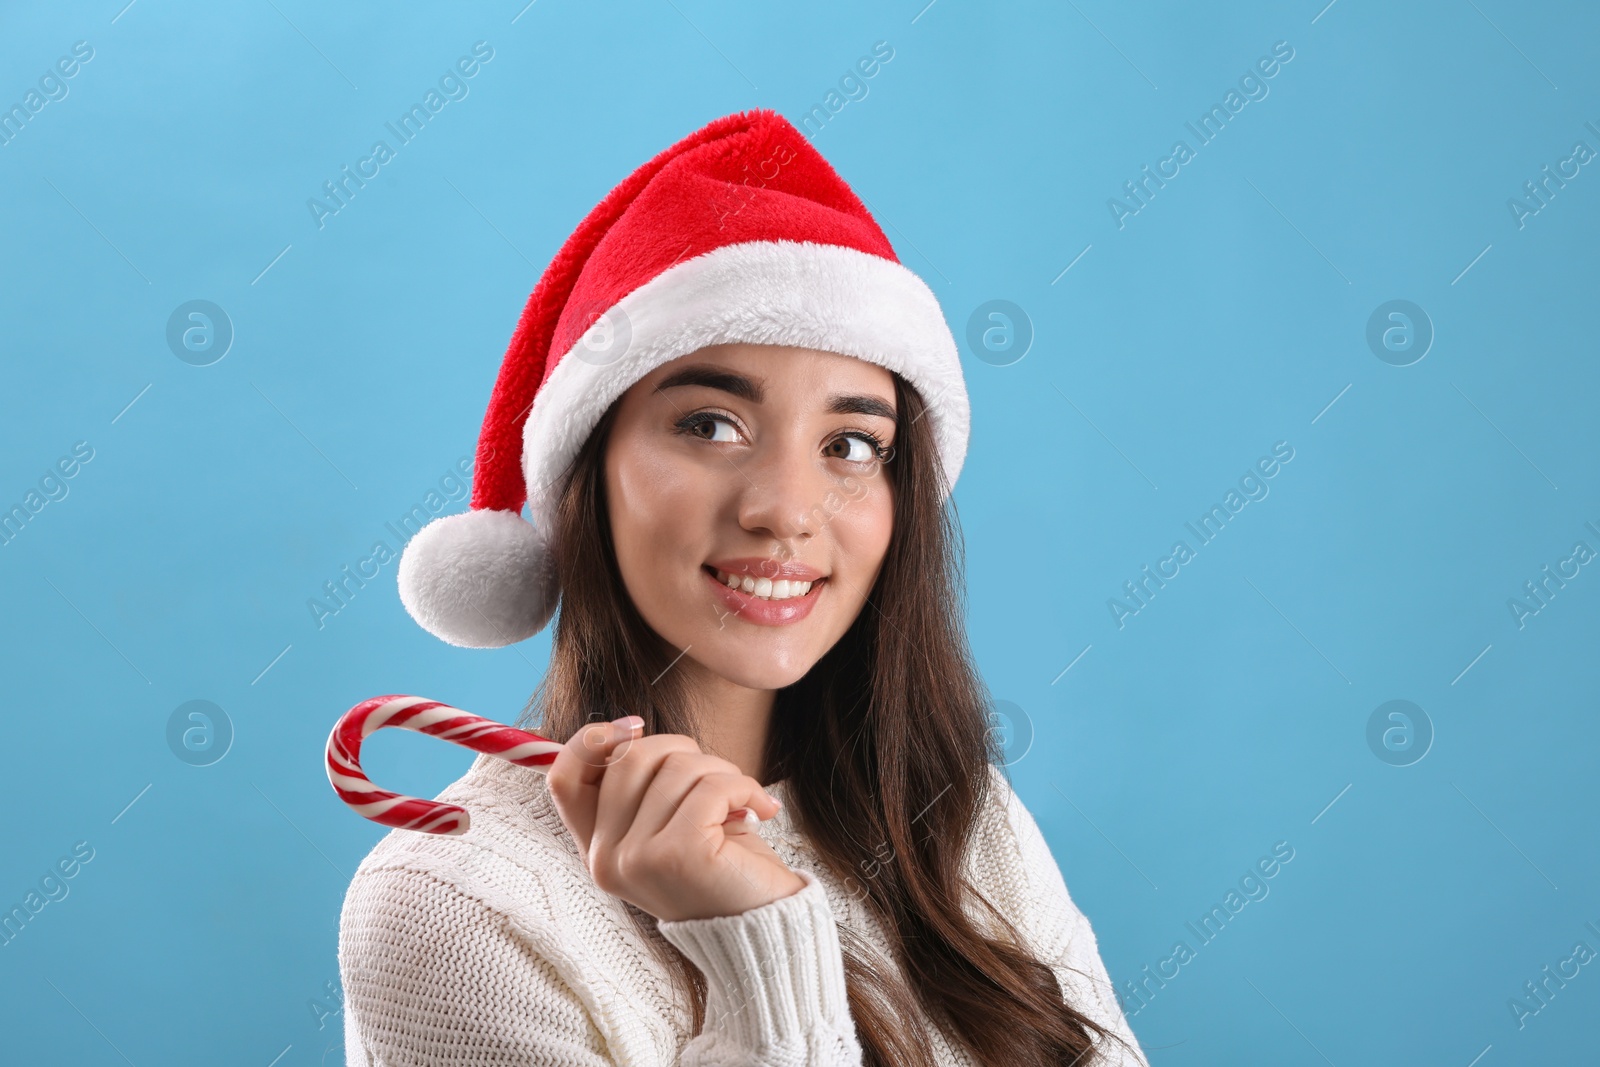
(734, 719)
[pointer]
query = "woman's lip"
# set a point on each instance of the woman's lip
(765, 612)
(759, 567)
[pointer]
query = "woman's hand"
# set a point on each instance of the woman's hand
(651, 816)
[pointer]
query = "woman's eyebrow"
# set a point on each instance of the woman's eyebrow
(714, 378)
(747, 389)
(852, 404)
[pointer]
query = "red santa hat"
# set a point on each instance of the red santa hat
(740, 232)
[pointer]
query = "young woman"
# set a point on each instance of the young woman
(740, 489)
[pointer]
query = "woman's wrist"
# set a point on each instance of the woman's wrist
(785, 893)
(774, 974)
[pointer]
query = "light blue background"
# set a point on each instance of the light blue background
(1227, 315)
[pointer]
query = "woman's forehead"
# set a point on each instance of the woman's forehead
(761, 363)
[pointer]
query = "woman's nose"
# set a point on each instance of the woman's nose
(782, 491)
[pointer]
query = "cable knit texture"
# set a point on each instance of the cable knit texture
(496, 948)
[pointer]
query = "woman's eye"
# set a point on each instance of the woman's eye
(862, 451)
(705, 421)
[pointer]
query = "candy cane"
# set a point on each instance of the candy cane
(452, 724)
(437, 720)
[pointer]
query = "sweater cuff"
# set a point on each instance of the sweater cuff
(774, 974)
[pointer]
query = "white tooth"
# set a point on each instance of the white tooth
(730, 581)
(763, 587)
(748, 584)
(780, 589)
(804, 588)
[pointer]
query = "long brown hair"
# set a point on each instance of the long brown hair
(885, 746)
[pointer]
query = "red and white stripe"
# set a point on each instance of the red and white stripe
(437, 720)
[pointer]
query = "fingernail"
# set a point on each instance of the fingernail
(751, 819)
(630, 722)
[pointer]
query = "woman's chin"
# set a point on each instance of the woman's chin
(756, 668)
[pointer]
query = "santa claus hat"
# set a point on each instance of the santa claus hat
(740, 232)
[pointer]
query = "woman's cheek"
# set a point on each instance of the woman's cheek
(863, 526)
(666, 506)
(657, 485)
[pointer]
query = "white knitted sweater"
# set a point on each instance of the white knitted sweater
(495, 947)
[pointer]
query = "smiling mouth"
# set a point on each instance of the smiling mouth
(766, 588)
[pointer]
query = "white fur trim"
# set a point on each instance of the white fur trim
(480, 579)
(795, 293)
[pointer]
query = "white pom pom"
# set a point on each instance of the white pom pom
(480, 579)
